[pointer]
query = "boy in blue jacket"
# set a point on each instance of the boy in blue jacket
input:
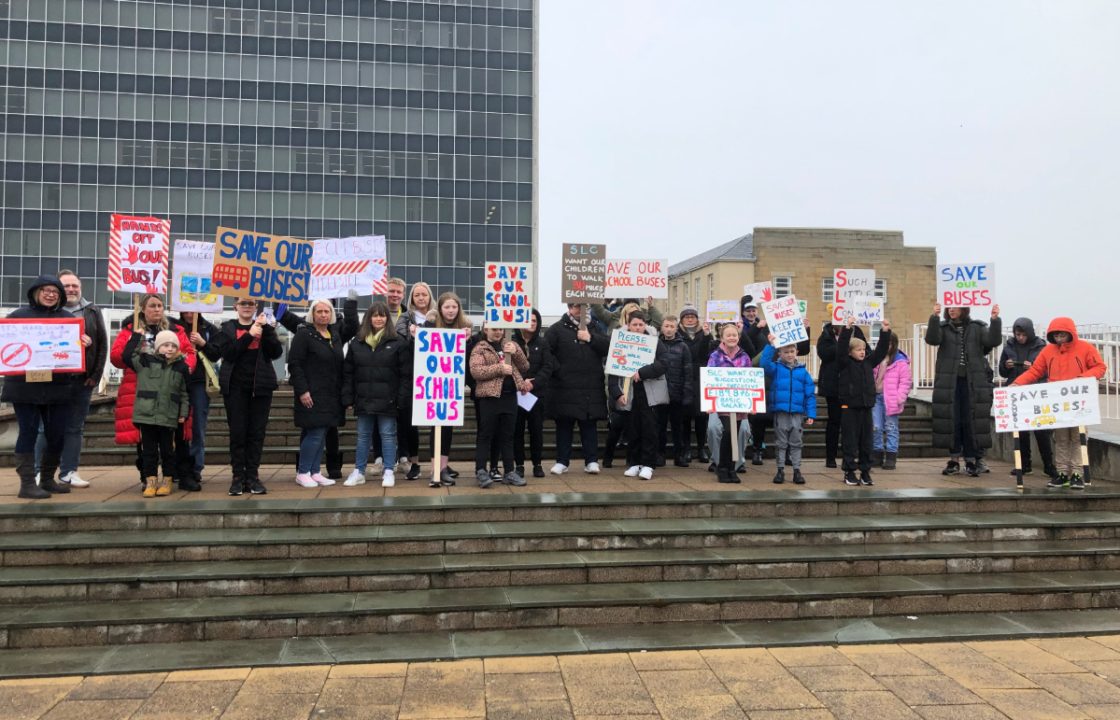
(791, 399)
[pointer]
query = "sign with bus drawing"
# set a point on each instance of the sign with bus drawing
(1047, 406)
(264, 267)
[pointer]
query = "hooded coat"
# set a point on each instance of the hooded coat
(897, 382)
(1020, 353)
(576, 388)
(788, 389)
(1068, 361)
(975, 339)
(62, 386)
(828, 377)
(161, 387)
(126, 432)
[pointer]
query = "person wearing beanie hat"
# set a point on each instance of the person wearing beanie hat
(700, 345)
(688, 310)
(167, 343)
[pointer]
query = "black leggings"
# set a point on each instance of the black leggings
(156, 442)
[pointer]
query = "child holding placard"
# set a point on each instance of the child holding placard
(791, 400)
(857, 399)
(646, 391)
(162, 404)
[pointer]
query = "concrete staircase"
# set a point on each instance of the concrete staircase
(131, 585)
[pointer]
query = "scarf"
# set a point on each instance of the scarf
(374, 339)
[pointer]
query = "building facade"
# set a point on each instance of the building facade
(311, 118)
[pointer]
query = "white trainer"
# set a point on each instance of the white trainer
(357, 477)
(74, 480)
(388, 479)
(304, 480)
(559, 469)
(321, 479)
(592, 468)
(404, 465)
(377, 467)
(633, 471)
(646, 473)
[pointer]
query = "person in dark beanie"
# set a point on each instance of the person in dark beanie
(683, 395)
(532, 344)
(1019, 354)
(828, 385)
(700, 344)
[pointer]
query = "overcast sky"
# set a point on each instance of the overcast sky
(986, 129)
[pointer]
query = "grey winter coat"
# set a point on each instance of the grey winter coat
(978, 340)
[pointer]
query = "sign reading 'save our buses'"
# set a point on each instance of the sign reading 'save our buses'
(265, 267)
(1047, 406)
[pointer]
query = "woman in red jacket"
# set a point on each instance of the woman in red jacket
(152, 321)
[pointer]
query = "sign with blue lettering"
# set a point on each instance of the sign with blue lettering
(440, 371)
(966, 285)
(265, 267)
(1047, 406)
(508, 300)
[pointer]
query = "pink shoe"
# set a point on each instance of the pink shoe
(305, 480)
(321, 479)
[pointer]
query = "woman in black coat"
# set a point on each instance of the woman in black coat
(576, 390)
(375, 382)
(315, 373)
(531, 341)
(828, 386)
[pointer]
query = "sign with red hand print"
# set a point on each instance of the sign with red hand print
(138, 249)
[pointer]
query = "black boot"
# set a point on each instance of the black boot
(890, 461)
(757, 459)
(780, 476)
(48, 468)
(25, 468)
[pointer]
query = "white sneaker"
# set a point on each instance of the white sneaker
(646, 473)
(304, 480)
(592, 468)
(357, 477)
(378, 467)
(404, 465)
(321, 479)
(36, 478)
(74, 480)
(388, 479)
(633, 471)
(559, 469)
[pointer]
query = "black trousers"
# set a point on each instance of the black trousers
(725, 460)
(496, 420)
(698, 425)
(641, 432)
(758, 424)
(247, 416)
(156, 443)
(964, 440)
(1045, 440)
(678, 418)
(408, 437)
(616, 430)
(858, 428)
(533, 421)
(832, 427)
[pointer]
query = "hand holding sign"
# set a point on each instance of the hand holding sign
(995, 311)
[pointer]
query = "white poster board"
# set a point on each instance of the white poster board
(722, 311)
(848, 282)
(1047, 406)
(784, 319)
(439, 371)
(630, 352)
(865, 309)
(732, 390)
(28, 344)
(637, 278)
(508, 296)
(966, 285)
(758, 292)
(190, 278)
(138, 248)
(339, 265)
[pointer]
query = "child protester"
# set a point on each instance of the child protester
(728, 355)
(162, 404)
(1067, 357)
(647, 391)
(682, 394)
(857, 399)
(497, 365)
(892, 386)
(791, 400)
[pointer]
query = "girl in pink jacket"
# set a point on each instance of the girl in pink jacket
(892, 387)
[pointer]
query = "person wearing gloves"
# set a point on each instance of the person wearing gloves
(162, 404)
(1019, 353)
(498, 367)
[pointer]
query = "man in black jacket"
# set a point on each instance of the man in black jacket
(577, 393)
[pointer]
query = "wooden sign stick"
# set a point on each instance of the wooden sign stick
(1083, 435)
(135, 312)
(734, 428)
(1018, 461)
(437, 451)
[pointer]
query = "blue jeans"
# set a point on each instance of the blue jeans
(884, 424)
(200, 415)
(386, 430)
(76, 413)
(311, 450)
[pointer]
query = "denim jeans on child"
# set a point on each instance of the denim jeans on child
(884, 424)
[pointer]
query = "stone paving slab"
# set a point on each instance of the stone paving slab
(937, 681)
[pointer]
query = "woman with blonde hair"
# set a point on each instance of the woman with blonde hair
(449, 315)
(315, 373)
(420, 302)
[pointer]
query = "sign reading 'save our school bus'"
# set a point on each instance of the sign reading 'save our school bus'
(265, 267)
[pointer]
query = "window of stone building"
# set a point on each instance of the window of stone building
(828, 292)
(711, 286)
(881, 288)
(783, 286)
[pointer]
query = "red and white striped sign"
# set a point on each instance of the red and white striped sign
(138, 249)
(340, 265)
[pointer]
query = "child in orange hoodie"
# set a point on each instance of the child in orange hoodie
(1066, 358)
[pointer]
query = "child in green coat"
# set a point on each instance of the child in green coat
(162, 403)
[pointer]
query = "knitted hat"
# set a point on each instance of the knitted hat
(166, 336)
(688, 310)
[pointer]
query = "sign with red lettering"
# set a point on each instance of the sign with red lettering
(583, 273)
(508, 300)
(138, 248)
(847, 283)
(972, 285)
(30, 345)
(784, 319)
(637, 278)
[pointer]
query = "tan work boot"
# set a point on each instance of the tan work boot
(150, 487)
(164, 487)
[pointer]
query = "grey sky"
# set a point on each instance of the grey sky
(985, 129)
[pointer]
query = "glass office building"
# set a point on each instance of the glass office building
(310, 118)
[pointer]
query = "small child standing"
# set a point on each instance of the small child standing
(791, 400)
(641, 404)
(161, 405)
(857, 399)
(682, 393)
(892, 386)
(1068, 357)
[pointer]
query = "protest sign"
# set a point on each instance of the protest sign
(1047, 406)
(865, 309)
(732, 390)
(191, 289)
(803, 307)
(33, 344)
(265, 267)
(722, 311)
(966, 285)
(629, 352)
(508, 297)
(847, 282)
(758, 293)
(138, 254)
(583, 273)
(440, 371)
(339, 265)
(637, 278)
(784, 321)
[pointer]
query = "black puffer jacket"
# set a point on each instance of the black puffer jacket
(828, 379)
(576, 386)
(62, 386)
(857, 378)
(315, 366)
(700, 346)
(375, 381)
(1020, 353)
(977, 340)
(539, 356)
(678, 371)
(264, 374)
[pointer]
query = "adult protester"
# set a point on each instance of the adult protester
(208, 342)
(1019, 354)
(577, 390)
(153, 321)
(618, 420)
(315, 373)
(698, 338)
(96, 353)
(42, 403)
(420, 303)
(962, 385)
(418, 309)
(449, 316)
(828, 385)
(532, 344)
(248, 379)
(614, 314)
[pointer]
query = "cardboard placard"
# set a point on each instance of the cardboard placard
(637, 278)
(732, 390)
(138, 254)
(722, 311)
(339, 265)
(191, 289)
(508, 297)
(630, 352)
(583, 270)
(30, 345)
(847, 282)
(265, 267)
(785, 322)
(865, 309)
(758, 293)
(966, 285)
(1047, 406)
(439, 370)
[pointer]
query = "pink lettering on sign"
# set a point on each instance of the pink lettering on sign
(508, 300)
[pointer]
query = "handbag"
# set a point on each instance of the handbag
(213, 386)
